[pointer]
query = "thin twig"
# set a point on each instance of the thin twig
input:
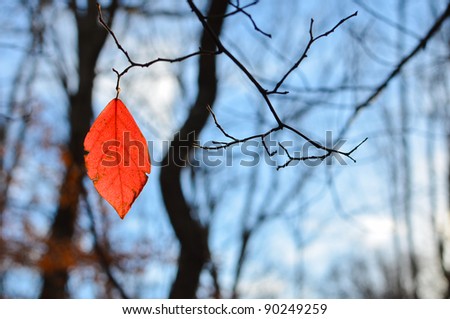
(267, 149)
(223, 145)
(236, 11)
(132, 63)
(304, 55)
(218, 125)
(303, 158)
(255, 26)
(105, 25)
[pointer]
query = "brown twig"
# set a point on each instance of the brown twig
(218, 125)
(242, 9)
(229, 14)
(304, 55)
(132, 63)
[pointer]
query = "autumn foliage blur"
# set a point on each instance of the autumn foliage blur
(377, 228)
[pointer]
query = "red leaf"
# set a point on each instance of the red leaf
(118, 160)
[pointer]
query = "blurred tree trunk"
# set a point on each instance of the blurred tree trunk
(194, 251)
(15, 106)
(406, 184)
(442, 242)
(59, 257)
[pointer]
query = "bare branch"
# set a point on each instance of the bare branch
(229, 14)
(132, 63)
(267, 149)
(222, 48)
(218, 125)
(304, 55)
(105, 25)
(223, 145)
(242, 9)
(265, 94)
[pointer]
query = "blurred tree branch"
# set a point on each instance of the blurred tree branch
(104, 260)
(397, 26)
(399, 67)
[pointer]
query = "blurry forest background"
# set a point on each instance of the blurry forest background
(377, 228)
